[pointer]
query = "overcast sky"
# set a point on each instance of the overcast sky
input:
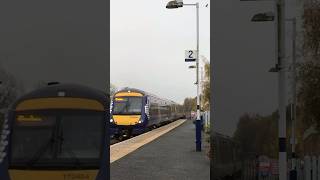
(57, 40)
(148, 43)
(147, 52)
(67, 41)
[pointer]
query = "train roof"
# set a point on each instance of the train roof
(70, 90)
(126, 89)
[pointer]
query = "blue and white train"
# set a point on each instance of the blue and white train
(134, 111)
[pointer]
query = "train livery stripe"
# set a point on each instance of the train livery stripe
(126, 119)
(53, 175)
(128, 94)
(59, 103)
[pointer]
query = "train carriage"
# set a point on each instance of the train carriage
(59, 132)
(134, 111)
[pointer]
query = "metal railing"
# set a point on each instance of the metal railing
(206, 121)
(308, 168)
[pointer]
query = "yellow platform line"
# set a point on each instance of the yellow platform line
(123, 148)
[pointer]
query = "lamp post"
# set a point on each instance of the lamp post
(177, 4)
(279, 13)
(293, 172)
(193, 67)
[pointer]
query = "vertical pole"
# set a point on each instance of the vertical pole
(307, 167)
(277, 64)
(294, 81)
(314, 167)
(318, 168)
(293, 174)
(282, 92)
(198, 121)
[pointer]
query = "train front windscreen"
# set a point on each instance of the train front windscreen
(127, 106)
(51, 140)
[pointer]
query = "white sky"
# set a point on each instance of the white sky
(147, 44)
(147, 49)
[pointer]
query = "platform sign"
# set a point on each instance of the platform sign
(274, 167)
(264, 166)
(190, 55)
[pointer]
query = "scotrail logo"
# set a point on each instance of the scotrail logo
(146, 109)
(111, 105)
(4, 140)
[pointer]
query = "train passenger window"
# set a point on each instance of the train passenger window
(154, 110)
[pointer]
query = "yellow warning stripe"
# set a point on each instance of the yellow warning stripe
(128, 94)
(60, 103)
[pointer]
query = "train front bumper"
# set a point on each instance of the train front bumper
(135, 130)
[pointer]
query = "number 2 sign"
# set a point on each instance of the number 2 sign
(190, 55)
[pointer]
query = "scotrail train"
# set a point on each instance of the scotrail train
(59, 132)
(134, 111)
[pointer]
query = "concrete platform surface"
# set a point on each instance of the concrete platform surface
(123, 148)
(171, 156)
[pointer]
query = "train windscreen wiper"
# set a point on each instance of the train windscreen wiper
(76, 160)
(35, 158)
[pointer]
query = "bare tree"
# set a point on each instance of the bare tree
(206, 86)
(113, 89)
(311, 27)
(309, 70)
(10, 89)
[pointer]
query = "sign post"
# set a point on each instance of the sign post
(190, 55)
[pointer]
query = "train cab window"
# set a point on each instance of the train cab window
(127, 105)
(77, 144)
(32, 133)
(44, 140)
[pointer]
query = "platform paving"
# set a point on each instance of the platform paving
(171, 156)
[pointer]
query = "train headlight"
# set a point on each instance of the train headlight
(111, 121)
(140, 120)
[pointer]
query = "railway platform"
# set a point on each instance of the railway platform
(166, 153)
